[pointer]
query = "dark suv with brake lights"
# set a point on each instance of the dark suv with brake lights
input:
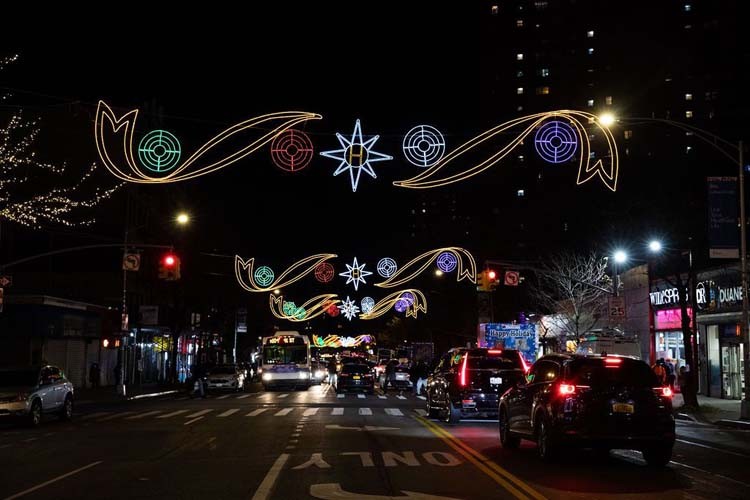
(599, 402)
(469, 382)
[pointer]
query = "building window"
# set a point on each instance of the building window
(590, 51)
(519, 23)
(495, 10)
(540, 5)
(519, 57)
(519, 90)
(688, 97)
(519, 73)
(520, 158)
(542, 90)
(590, 103)
(608, 100)
(544, 71)
(590, 33)
(688, 114)
(520, 193)
(688, 149)
(519, 108)
(687, 7)
(628, 134)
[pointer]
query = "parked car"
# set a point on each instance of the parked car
(355, 377)
(600, 402)
(401, 377)
(226, 377)
(30, 393)
(469, 382)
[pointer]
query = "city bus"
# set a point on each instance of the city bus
(285, 361)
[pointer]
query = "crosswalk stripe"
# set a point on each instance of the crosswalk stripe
(199, 413)
(283, 395)
(337, 411)
(243, 396)
(365, 411)
(421, 412)
(281, 413)
(225, 396)
(423, 398)
(340, 396)
(361, 396)
(257, 412)
(95, 415)
(394, 412)
(401, 397)
(174, 413)
(228, 412)
(381, 396)
(143, 415)
(116, 415)
(310, 411)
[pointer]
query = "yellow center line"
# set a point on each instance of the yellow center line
(482, 462)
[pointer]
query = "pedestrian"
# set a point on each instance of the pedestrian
(94, 375)
(660, 371)
(671, 375)
(421, 376)
(390, 374)
(332, 370)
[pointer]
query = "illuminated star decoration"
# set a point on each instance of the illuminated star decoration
(356, 155)
(349, 309)
(355, 273)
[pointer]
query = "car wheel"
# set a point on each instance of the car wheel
(657, 456)
(507, 439)
(545, 446)
(452, 415)
(66, 412)
(35, 414)
(432, 412)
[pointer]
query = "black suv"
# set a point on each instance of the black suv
(600, 402)
(469, 382)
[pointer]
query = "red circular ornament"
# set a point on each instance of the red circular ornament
(291, 150)
(333, 310)
(324, 272)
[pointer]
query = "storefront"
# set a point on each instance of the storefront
(720, 343)
(667, 340)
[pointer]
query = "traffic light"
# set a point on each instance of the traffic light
(487, 280)
(492, 279)
(169, 267)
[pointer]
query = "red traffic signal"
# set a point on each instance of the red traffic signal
(492, 275)
(169, 267)
(169, 260)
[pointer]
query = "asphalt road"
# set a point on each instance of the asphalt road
(313, 444)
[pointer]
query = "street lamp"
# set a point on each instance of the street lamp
(620, 257)
(182, 218)
(607, 119)
(438, 272)
(655, 246)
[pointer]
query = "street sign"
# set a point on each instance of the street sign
(616, 307)
(131, 261)
(6, 281)
(512, 278)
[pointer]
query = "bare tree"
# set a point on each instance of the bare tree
(572, 289)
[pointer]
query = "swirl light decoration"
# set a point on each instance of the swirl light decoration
(246, 275)
(467, 267)
(606, 168)
(307, 311)
(385, 305)
(260, 130)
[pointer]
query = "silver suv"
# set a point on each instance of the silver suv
(29, 393)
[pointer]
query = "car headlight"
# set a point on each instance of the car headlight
(304, 375)
(319, 374)
(266, 376)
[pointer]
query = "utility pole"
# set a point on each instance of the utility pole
(745, 406)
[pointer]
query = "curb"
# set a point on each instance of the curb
(734, 424)
(685, 416)
(152, 395)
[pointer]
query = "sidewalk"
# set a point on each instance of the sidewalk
(109, 393)
(725, 412)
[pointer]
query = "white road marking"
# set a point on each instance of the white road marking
(281, 413)
(365, 411)
(243, 396)
(225, 396)
(116, 415)
(296, 435)
(144, 415)
(337, 411)
(334, 491)
(421, 412)
(199, 413)
(395, 412)
(401, 397)
(340, 396)
(382, 396)
(191, 421)
(423, 398)
(361, 396)
(266, 487)
(257, 412)
(53, 480)
(174, 413)
(283, 395)
(728, 452)
(310, 412)
(228, 412)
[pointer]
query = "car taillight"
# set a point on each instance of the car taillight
(664, 391)
(612, 362)
(463, 380)
(494, 351)
(566, 389)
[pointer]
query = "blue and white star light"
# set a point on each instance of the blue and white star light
(355, 273)
(349, 308)
(356, 155)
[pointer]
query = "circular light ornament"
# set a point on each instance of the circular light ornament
(264, 276)
(367, 304)
(159, 151)
(386, 267)
(423, 146)
(556, 141)
(291, 150)
(324, 272)
(446, 262)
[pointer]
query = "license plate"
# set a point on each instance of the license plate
(623, 408)
(496, 380)
(356, 377)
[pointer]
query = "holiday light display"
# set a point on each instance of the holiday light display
(386, 267)
(556, 141)
(355, 273)
(324, 272)
(411, 308)
(348, 308)
(367, 304)
(336, 341)
(260, 131)
(313, 308)
(159, 151)
(291, 150)
(446, 262)
(264, 275)
(356, 155)
(423, 146)
(467, 267)
(247, 276)
(606, 167)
